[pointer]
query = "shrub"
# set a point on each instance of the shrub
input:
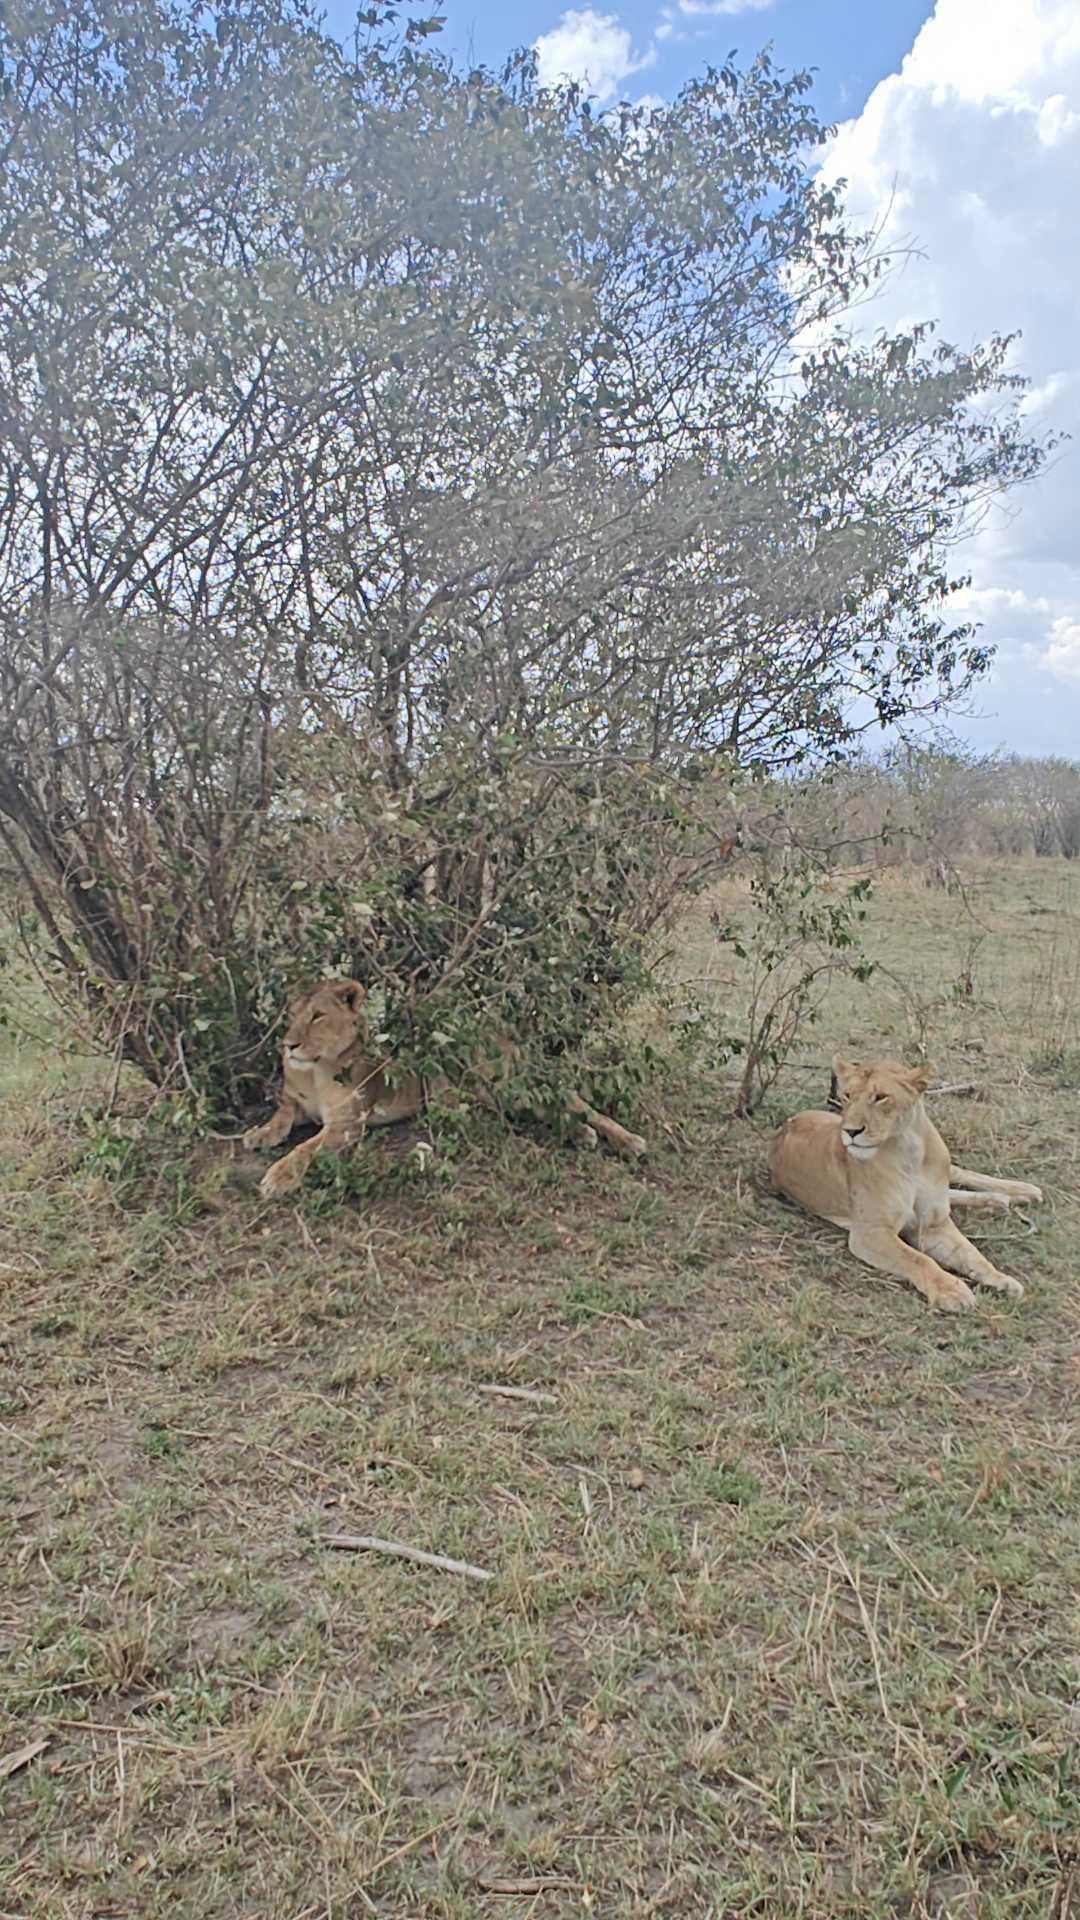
(399, 510)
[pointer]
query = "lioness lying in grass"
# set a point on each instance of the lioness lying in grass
(880, 1169)
(333, 1075)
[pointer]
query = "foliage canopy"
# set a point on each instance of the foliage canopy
(410, 481)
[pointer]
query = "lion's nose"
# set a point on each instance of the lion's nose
(854, 1132)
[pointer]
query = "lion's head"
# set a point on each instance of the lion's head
(876, 1098)
(324, 1023)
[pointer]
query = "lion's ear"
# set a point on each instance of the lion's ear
(350, 993)
(844, 1071)
(922, 1077)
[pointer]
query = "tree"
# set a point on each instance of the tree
(1047, 793)
(415, 454)
(946, 788)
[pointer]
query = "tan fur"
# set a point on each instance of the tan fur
(880, 1169)
(332, 1075)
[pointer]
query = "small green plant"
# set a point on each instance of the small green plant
(191, 1704)
(159, 1443)
(731, 1484)
(804, 929)
(588, 1299)
(1059, 1064)
(110, 1154)
(52, 1325)
(340, 1179)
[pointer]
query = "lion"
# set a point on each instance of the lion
(880, 1169)
(332, 1075)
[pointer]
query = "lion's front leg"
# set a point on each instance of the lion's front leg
(287, 1174)
(944, 1242)
(880, 1247)
(275, 1130)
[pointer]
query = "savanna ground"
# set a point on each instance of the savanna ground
(787, 1581)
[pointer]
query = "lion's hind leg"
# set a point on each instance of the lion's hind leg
(989, 1183)
(609, 1130)
(987, 1202)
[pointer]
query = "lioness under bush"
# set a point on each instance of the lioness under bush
(880, 1169)
(332, 1075)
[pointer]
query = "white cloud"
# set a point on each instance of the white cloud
(1057, 121)
(592, 48)
(1001, 602)
(681, 18)
(724, 6)
(989, 51)
(1063, 653)
(971, 155)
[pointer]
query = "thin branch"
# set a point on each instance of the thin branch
(518, 1393)
(367, 1543)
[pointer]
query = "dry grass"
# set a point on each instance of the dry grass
(785, 1617)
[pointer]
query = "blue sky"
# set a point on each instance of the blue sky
(959, 136)
(852, 43)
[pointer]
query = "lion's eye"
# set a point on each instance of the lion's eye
(878, 1098)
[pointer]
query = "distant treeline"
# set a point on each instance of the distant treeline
(928, 804)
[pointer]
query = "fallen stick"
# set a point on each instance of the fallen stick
(539, 1885)
(518, 1393)
(366, 1543)
(22, 1756)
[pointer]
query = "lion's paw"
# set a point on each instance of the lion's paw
(280, 1178)
(955, 1298)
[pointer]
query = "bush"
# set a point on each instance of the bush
(400, 511)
